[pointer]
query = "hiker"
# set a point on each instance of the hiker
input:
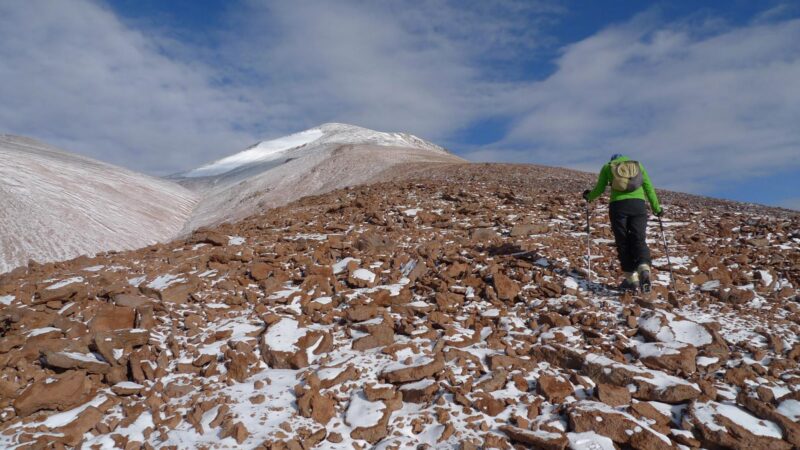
(630, 184)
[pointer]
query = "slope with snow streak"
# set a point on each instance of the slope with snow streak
(311, 162)
(263, 151)
(57, 206)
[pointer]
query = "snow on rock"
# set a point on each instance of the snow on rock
(724, 424)
(283, 336)
(364, 274)
(665, 327)
(164, 281)
(64, 283)
(589, 440)
(791, 409)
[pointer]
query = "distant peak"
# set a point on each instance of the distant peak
(331, 133)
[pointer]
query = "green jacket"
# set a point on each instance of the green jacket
(604, 179)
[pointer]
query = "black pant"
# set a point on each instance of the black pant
(629, 224)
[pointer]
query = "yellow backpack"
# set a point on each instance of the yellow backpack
(626, 176)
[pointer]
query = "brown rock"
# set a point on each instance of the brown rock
(110, 317)
(554, 319)
(375, 392)
(724, 432)
(235, 430)
(66, 391)
(506, 288)
(419, 392)
(379, 336)
(672, 357)
(316, 406)
(360, 313)
(423, 368)
(667, 389)
(126, 388)
(554, 389)
(73, 432)
(621, 427)
(284, 344)
(488, 404)
(176, 291)
(132, 300)
(238, 365)
(350, 373)
(74, 360)
(483, 234)
(543, 440)
(260, 271)
(613, 395)
(374, 428)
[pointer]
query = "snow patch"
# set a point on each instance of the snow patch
(362, 413)
(283, 335)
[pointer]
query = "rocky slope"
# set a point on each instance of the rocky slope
(57, 205)
(446, 308)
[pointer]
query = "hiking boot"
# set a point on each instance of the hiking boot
(630, 283)
(644, 277)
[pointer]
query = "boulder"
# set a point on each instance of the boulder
(650, 384)
(109, 317)
(286, 345)
(675, 357)
(613, 395)
(421, 391)
(506, 288)
(58, 392)
(74, 360)
(422, 367)
(620, 427)
(539, 439)
(728, 426)
(554, 389)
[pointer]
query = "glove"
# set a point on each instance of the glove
(660, 212)
(586, 194)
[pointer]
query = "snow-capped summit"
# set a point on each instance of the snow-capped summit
(314, 161)
(277, 150)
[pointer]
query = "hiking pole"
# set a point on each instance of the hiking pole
(666, 251)
(588, 243)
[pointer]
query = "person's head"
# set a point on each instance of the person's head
(615, 156)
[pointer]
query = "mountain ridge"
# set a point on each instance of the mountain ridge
(230, 189)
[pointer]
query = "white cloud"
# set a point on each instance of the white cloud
(695, 106)
(697, 102)
(417, 67)
(74, 76)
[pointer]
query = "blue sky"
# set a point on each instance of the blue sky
(706, 94)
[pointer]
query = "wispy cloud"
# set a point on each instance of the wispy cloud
(698, 104)
(423, 66)
(77, 76)
(74, 75)
(698, 100)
